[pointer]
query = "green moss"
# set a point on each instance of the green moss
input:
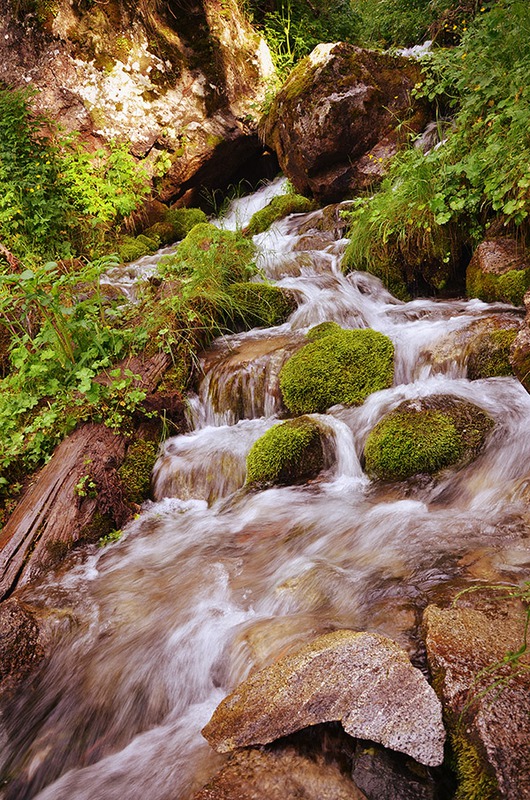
(146, 241)
(162, 232)
(288, 453)
(323, 329)
(339, 368)
(490, 356)
(135, 472)
(507, 288)
(259, 305)
(131, 249)
(425, 436)
(278, 208)
(184, 219)
(407, 443)
(474, 780)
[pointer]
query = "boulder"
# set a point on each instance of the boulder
(482, 348)
(344, 366)
(340, 116)
(424, 436)
(485, 690)
(279, 207)
(291, 452)
(279, 774)
(499, 271)
(363, 680)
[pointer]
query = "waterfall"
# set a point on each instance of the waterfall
(214, 580)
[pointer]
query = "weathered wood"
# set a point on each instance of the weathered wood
(51, 516)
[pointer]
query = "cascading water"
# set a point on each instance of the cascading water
(213, 580)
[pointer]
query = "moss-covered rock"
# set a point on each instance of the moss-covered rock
(135, 472)
(490, 356)
(211, 254)
(424, 436)
(291, 452)
(259, 305)
(148, 242)
(131, 249)
(323, 329)
(279, 207)
(340, 367)
(386, 267)
(498, 271)
(184, 219)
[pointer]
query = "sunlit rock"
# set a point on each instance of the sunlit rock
(363, 680)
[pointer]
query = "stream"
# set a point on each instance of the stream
(213, 580)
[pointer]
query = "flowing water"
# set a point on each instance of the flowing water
(212, 581)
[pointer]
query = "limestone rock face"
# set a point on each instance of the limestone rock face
(363, 680)
(177, 80)
(486, 701)
(499, 271)
(334, 123)
(277, 775)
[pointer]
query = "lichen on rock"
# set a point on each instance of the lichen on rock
(341, 367)
(425, 436)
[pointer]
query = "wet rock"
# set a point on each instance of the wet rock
(383, 775)
(425, 435)
(363, 680)
(342, 367)
(481, 349)
(20, 650)
(485, 691)
(520, 349)
(289, 453)
(333, 123)
(499, 271)
(279, 774)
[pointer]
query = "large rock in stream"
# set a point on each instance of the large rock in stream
(363, 680)
(499, 271)
(342, 113)
(485, 690)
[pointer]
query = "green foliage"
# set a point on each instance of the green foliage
(288, 453)
(434, 206)
(490, 356)
(412, 442)
(135, 472)
(260, 305)
(279, 207)
(211, 255)
(57, 197)
(341, 367)
(110, 538)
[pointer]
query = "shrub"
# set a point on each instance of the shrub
(341, 367)
(291, 452)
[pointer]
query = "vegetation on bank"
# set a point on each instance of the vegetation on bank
(434, 207)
